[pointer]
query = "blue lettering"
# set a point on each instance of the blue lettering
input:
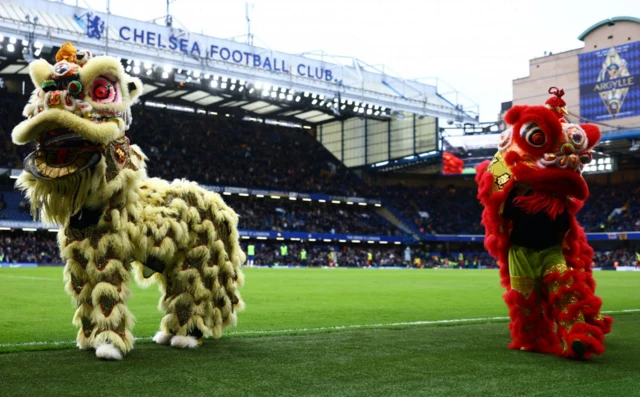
(137, 36)
(183, 45)
(328, 75)
(173, 40)
(225, 54)
(309, 72)
(123, 36)
(195, 48)
(151, 38)
(160, 41)
(248, 56)
(267, 63)
(213, 50)
(319, 77)
(275, 65)
(284, 68)
(237, 59)
(257, 61)
(301, 69)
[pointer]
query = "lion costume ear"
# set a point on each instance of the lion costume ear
(513, 115)
(40, 71)
(593, 133)
(134, 87)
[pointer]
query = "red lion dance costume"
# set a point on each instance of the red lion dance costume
(531, 192)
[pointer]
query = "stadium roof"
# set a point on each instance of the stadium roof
(203, 73)
(610, 21)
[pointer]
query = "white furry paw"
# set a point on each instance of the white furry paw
(83, 344)
(107, 351)
(162, 338)
(184, 342)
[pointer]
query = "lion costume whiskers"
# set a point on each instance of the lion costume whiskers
(85, 176)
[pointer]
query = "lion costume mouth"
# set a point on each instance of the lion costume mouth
(60, 153)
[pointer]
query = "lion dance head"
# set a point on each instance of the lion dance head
(77, 116)
(543, 150)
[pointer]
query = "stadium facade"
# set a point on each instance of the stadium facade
(601, 80)
(346, 98)
(370, 120)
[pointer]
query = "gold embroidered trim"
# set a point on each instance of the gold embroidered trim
(522, 284)
(501, 172)
(560, 268)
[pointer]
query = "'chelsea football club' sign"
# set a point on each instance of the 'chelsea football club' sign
(219, 51)
(205, 47)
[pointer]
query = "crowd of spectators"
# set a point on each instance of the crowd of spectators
(612, 208)
(302, 216)
(437, 210)
(614, 258)
(456, 210)
(356, 255)
(11, 115)
(41, 247)
(230, 152)
(29, 247)
(3, 206)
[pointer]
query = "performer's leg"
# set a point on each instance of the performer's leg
(79, 286)
(574, 308)
(223, 279)
(111, 336)
(184, 300)
(530, 327)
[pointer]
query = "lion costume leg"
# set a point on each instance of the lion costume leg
(97, 281)
(224, 280)
(576, 311)
(184, 300)
(531, 329)
(79, 286)
(200, 296)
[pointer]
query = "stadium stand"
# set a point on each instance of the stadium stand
(450, 210)
(287, 215)
(455, 210)
(232, 152)
(13, 205)
(40, 247)
(29, 247)
(229, 152)
(11, 106)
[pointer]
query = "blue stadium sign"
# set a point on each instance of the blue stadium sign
(240, 54)
(610, 82)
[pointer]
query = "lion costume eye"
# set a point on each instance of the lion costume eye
(576, 136)
(104, 91)
(533, 135)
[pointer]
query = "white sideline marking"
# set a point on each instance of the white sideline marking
(30, 278)
(335, 327)
(360, 326)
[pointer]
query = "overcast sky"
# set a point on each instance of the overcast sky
(476, 46)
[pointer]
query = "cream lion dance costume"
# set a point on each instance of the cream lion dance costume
(85, 176)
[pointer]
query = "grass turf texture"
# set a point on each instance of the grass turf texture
(298, 353)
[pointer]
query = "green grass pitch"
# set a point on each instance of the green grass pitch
(312, 332)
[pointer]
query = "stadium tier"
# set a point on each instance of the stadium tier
(305, 151)
(40, 247)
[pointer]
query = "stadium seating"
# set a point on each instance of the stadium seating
(15, 206)
(434, 210)
(29, 247)
(227, 151)
(41, 247)
(456, 210)
(10, 115)
(286, 215)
